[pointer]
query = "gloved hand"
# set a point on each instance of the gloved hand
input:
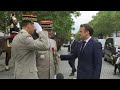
(37, 27)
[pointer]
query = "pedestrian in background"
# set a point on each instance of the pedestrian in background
(23, 50)
(71, 49)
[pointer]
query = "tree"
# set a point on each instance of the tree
(106, 22)
(62, 21)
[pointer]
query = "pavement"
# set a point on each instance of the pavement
(106, 72)
(65, 69)
(3, 73)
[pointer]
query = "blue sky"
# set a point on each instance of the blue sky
(85, 17)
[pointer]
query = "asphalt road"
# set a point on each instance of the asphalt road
(106, 73)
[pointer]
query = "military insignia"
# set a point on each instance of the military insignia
(46, 24)
(29, 17)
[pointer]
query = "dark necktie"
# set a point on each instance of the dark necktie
(83, 44)
(71, 45)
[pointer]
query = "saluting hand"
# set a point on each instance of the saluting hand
(37, 27)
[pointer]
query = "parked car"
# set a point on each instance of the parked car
(1, 33)
(111, 48)
(102, 41)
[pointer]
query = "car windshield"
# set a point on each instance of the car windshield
(117, 41)
(102, 41)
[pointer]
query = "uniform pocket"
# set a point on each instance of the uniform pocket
(42, 57)
(33, 69)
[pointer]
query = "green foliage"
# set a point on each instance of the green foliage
(62, 21)
(106, 22)
(5, 17)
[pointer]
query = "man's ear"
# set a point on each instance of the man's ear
(87, 32)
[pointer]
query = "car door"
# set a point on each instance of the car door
(107, 50)
(111, 47)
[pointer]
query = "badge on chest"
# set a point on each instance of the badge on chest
(42, 57)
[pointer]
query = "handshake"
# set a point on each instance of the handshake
(54, 50)
(37, 27)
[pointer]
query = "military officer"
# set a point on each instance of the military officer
(23, 50)
(48, 61)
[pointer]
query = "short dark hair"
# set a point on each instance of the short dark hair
(24, 23)
(88, 28)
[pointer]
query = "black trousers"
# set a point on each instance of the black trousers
(72, 65)
(115, 68)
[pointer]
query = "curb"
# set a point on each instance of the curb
(2, 67)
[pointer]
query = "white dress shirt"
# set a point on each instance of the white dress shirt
(86, 42)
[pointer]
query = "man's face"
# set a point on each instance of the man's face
(72, 37)
(31, 28)
(83, 33)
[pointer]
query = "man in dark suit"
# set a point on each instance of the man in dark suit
(71, 49)
(89, 54)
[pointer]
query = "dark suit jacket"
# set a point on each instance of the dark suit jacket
(89, 62)
(73, 45)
